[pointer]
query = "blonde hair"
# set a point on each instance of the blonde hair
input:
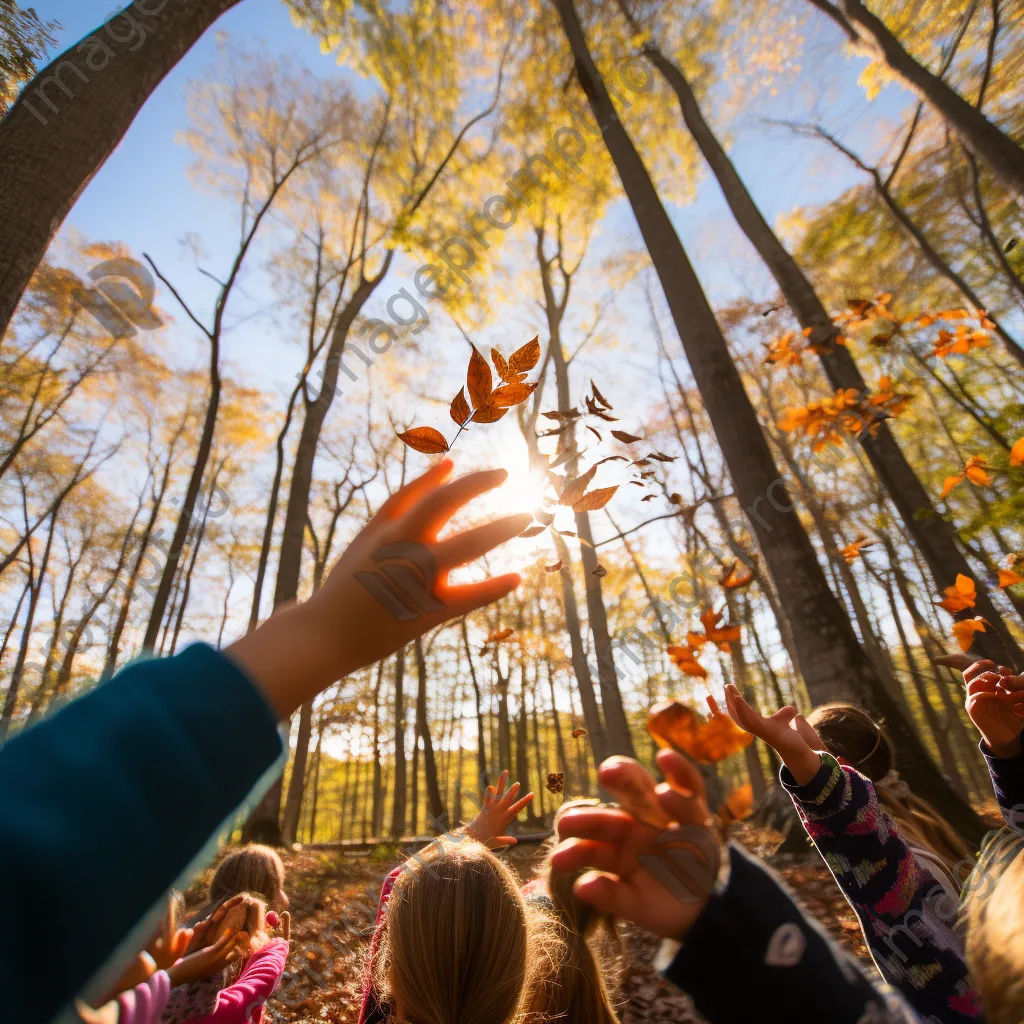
(995, 936)
(253, 869)
(852, 734)
(578, 990)
(459, 944)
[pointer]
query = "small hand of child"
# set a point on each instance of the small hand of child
(389, 587)
(659, 878)
(499, 809)
(211, 960)
(286, 926)
(787, 732)
(203, 931)
(995, 703)
(166, 951)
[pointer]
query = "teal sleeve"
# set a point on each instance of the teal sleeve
(105, 805)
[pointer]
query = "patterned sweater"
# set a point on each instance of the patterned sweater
(906, 914)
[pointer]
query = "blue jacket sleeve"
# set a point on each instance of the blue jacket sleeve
(754, 956)
(103, 808)
(1008, 783)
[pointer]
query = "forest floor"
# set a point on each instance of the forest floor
(334, 899)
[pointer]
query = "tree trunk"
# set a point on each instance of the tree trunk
(482, 781)
(297, 783)
(831, 660)
(316, 785)
(504, 725)
(398, 804)
(49, 152)
(434, 802)
(377, 814)
(563, 760)
(933, 534)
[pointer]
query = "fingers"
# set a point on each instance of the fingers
(686, 810)
(972, 671)
(468, 597)
(606, 824)
(807, 733)
(437, 505)
(416, 490)
(514, 810)
(286, 925)
(716, 711)
(680, 774)
(606, 894)
(740, 711)
(578, 854)
(219, 913)
(470, 545)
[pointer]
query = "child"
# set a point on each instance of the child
(453, 929)
(735, 940)
(253, 869)
(900, 892)
(130, 784)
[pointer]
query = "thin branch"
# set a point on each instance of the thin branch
(689, 510)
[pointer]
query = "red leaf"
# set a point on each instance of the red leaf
(425, 439)
(600, 571)
(488, 413)
(478, 380)
(511, 394)
(499, 363)
(594, 500)
(525, 358)
(621, 435)
(460, 407)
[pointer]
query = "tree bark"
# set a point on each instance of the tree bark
(830, 658)
(377, 814)
(296, 785)
(50, 150)
(482, 781)
(398, 804)
(434, 802)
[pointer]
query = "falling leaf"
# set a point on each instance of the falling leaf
(596, 434)
(608, 416)
(1009, 578)
(478, 381)
(460, 407)
(594, 500)
(640, 462)
(425, 439)
(533, 531)
(553, 568)
(524, 358)
(675, 498)
(662, 457)
(852, 550)
(599, 571)
(720, 636)
(547, 518)
(566, 456)
(621, 435)
(551, 415)
(1010, 245)
(673, 724)
(965, 629)
(736, 577)
(500, 634)
(556, 782)
(565, 533)
(616, 458)
(511, 394)
(597, 394)
(974, 470)
(648, 497)
(739, 804)
(1017, 453)
(488, 413)
(574, 489)
(577, 733)
(949, 483)
(685, 658)
(961, 595)
(499, 363)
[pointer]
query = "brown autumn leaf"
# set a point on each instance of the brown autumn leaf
(662, 457)
(500, 634)
(425, 439)
(552, 416)
(460, 407)
(556, 782)
(640, 462)
(608, 417)
(595, 433)
(515, 378)
(594, 500)
(547, 518)
(739, 804)
(525, 358)
(720, 636)
(597, 394)
(736, 577)
(673, 724)
(478, 381)
(636, 483)
(566, 455)
(621, 435)
(533, 531)
(511, 394)
(553, 568)
(686, 659)
(599, 571)
(499, 363)
(574, 489)
(564, 533)
(648, 497)
(675, 498)
(488, 413)
(577, 733)
(612, 458)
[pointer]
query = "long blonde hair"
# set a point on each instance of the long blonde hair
(852, 734)
(578, 990)
(253, 869)
(459, 944)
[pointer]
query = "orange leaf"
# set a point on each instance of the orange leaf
(511, 394)
(720, 636)
(738, 804)
(949, 483)
(460, 407)
(965, 629)
(578, 733)
(685, 658)
(525, 358)
(961, 595)
(976, 474)
(573, 490)
(1017, 453)
(736, 577)
(478, 380)
(556, 782)
(621, 435)
(594, 500)
(1009, 578)
(488, 413)
(673, 724)
(500, 634)
(425, 439)
(532, 531)
(499, 363)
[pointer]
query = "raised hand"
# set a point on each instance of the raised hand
(166, 951)
(995, 703)
(787, 731)
(660, 878)
(202, 931)
(211, 960)
(500, 808)
(390, 586)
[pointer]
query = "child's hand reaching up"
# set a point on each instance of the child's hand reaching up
(205, 963)
(389, 587)
(995, 703)
(787, 731)
(499, 810)
(660, 878)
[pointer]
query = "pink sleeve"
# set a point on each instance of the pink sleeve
(237, 1003)
(371, 1011)
(145, 1003)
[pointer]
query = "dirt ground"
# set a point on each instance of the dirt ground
(334, 900)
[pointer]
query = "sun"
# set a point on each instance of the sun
(523, 491)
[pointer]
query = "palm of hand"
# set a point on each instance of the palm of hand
(994, 703)
(499, 809)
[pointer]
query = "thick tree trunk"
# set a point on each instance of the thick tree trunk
(434, 802)
(830, 658)
(398, 804)
(933, 534)
(70, 118)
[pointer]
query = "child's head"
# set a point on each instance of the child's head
(854, 738)
(459, 942)
(253, 869)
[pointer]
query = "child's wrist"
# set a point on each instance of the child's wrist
(1006, 749)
